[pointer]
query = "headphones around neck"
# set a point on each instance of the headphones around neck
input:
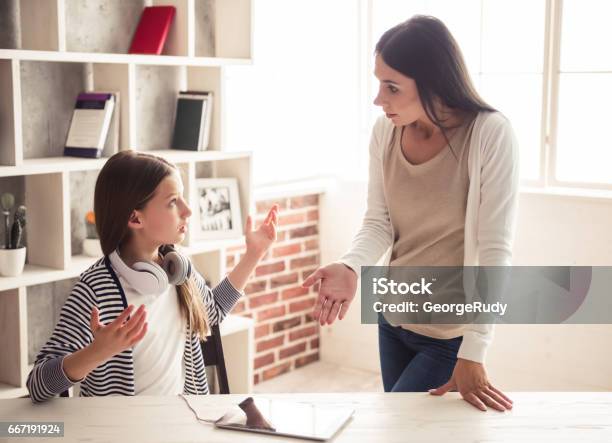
(151, 278)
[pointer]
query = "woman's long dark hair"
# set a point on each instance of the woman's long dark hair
(423, 49)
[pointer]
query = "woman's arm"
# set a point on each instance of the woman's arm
(339, 280)
(496, 224)
(499, 185)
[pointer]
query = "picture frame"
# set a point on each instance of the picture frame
(217, 211)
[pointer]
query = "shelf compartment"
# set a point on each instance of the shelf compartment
(82, 187)
(13, 339)
(51, 88)
(101, 25)
(42, 25)
(10, 113)
(223, 28)
(47, 228)
(155, 105)
(44, 303)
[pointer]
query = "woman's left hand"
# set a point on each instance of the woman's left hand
(258, 241)
(470, 379)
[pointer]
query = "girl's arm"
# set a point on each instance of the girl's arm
(80, 343)
(220, 300)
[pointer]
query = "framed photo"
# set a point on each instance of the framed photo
(218, 209)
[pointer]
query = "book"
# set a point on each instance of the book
(192, 121)
(152, 30)
(90, 124)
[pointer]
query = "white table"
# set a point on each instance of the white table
(401, 417)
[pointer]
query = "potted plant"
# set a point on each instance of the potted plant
(91, 243)
(13, 252)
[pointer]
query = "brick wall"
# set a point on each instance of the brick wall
(286, 336)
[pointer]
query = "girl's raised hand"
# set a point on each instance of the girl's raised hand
(120, 334)
(258, 241)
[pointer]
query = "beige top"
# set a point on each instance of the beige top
(427, 206)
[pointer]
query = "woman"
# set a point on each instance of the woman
(442, 191)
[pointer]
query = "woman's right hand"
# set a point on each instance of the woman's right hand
(120, 334)
(336, 292)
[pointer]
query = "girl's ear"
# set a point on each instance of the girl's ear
(135, 221)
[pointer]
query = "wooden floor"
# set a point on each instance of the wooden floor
(322, 377)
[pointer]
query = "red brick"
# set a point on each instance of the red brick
(255, 379)
(272, 268)
(276, 371)
(311, 244)
(281, 236)
(239, 307)
(269, 313)
(261, 331)
(286, 324)
(306, 231)
(229, 261)
(255, 286)
(261, 300)
(301, 333)
(263, 360)
(314, 343)
(306, 359)
(302, 305)
(275, 342)
(264, 206)
(292, 350)
(298, 291)
(304, 261)
(308, 318)
(282, 280)
(291, 219)
(283, 251)
(304, 201)
(313, 215)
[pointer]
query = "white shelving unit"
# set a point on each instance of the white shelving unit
(194, 58)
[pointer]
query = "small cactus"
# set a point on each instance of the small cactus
(18, 225)
(7, 200)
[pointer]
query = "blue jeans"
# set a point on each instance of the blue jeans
(412, 362)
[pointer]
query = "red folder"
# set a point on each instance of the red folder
(152, 30)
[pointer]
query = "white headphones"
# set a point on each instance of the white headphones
(151, 278)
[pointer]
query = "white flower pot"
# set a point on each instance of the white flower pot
(12, 261)
(92, 247)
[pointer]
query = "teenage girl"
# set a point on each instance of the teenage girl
(134, 320)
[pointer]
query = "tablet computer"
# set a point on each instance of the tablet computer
(288, 419)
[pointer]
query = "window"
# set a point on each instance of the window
(297, 107)
(583, 148)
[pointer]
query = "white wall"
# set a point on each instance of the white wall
(552, 230)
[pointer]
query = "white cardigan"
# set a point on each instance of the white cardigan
(490, 217)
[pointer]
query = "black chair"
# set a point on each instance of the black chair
(212, 349)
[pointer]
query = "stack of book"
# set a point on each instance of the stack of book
(94, 127)
(192, 122)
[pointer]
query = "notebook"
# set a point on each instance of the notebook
(192, 122)
(152, 30)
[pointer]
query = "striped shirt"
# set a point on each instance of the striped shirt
(99, 286)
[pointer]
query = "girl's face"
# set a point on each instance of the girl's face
(397, 95)
(164, 218)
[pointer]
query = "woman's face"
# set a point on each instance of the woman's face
(164, 218)
(397, 95)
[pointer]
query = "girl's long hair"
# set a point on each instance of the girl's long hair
(126, 183)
